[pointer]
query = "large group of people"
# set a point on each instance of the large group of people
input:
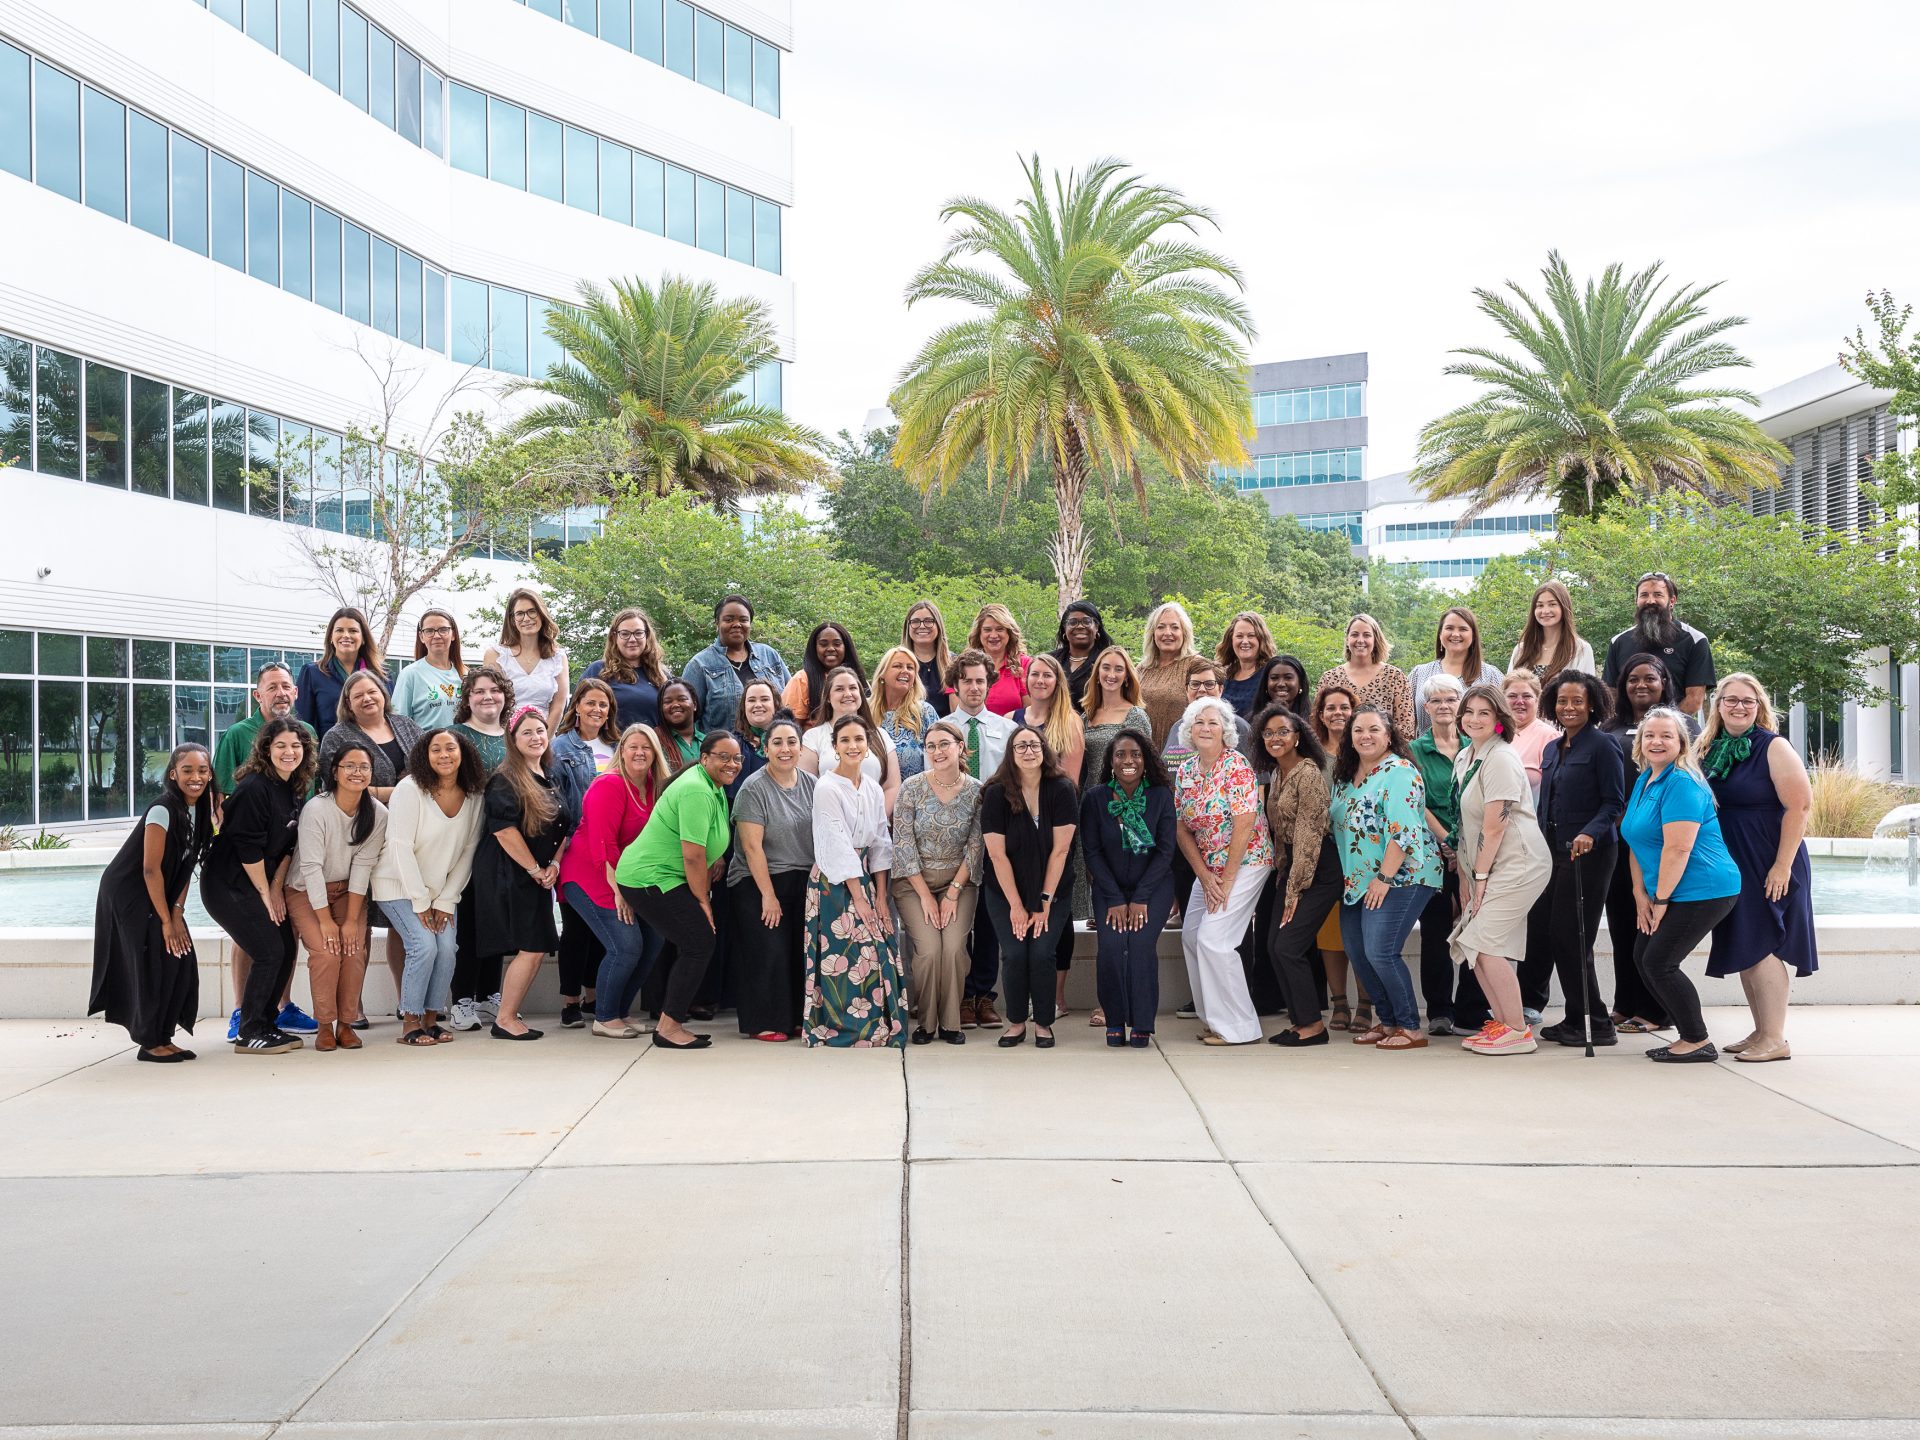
(855, 856)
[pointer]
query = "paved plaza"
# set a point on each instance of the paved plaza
(593, 1238)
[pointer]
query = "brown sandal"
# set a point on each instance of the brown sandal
(1403, 1040)
(1339, 1017)
(1372, 1035)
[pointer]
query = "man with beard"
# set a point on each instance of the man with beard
(1656, 631)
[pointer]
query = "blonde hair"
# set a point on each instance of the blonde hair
(1686, 759)
(659, 772)
(1000, 615)
(1224, 651)
(1129, 688)
(343, 708)
(1521, 677)
(1381, 649)
(1762, 713)
(1149, 652)
(907, 714)
(1061, 729)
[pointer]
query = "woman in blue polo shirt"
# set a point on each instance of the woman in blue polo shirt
(1684, 881)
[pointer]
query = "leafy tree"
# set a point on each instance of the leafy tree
(1102, 336)
(1603, 399)
(667, 368)
(1892, 363)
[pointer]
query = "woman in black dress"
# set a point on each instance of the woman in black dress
(244, 882)
(145, 974)
(517, 865)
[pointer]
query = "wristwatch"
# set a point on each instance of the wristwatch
(1046, 897)
(1481, 876)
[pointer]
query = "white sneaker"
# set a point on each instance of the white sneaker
(463, 1016)
(489, 1007)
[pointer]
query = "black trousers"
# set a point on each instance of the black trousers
(769, 966)
(678, 917)
(1027, 966)
(1631, 995)
(1569, 944)
(1291, 950)
(580, 953)
(1450, 990)
(475, 976)
(1128, 964)
(1535, 970)
(1264, 991)
(1685, 924)
(239, 910)
(983, 976)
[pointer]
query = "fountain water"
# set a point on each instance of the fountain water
(1901, 820)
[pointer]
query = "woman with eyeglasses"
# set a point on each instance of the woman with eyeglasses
(1028, 814)
(855, 997)
(938, 860)
(1298, 807)
(529, 654)
(632, 664)
(1764, 800)
(342, 833)
(925, 634)
(1081, 637)
(428, 690)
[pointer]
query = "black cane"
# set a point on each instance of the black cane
(1586, 950)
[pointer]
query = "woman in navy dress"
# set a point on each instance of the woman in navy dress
(1765, 802)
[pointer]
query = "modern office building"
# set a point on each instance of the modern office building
(217, 214)
(1308, 458)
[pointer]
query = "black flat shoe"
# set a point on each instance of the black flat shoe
(698, 1042)
(1293, 1039)
(1043, 1042)
(701, 1012)
(923, 1037)
(953, 1037)
(1705, 1055)
(1007, 1042)
(499, 1034)
(188, 1055)
(361, 1024)
(154, 1059)
(1602, 1035)
(571, 1017)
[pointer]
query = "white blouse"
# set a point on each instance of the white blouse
(820, 741)
(531, 687)
(850, 834)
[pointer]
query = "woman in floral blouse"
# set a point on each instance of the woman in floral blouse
(1392, 868)
(1224, 838)
(1366, 672)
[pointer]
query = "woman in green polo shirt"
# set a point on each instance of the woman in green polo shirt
(668, 873)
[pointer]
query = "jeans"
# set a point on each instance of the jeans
(630, 953)
(427, 982)
(1373, 939)
(1658, 956)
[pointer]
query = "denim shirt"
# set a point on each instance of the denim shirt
(716, 686)
(573, 771)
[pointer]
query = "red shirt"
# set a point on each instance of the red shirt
(1009, 689)
(609, 819)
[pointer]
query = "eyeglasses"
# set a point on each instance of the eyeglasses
(437, 630)
(1738, 702)
(526, 614)
(629, 634)
(1079, 622)
(356, 767)
(921, 622)
(1272, 735)
(1027, 747)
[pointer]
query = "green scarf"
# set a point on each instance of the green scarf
(1132, 815)
(1726, 752)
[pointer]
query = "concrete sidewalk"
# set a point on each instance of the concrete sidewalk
(594, 1238)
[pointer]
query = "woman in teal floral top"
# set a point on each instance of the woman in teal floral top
(1392, 868)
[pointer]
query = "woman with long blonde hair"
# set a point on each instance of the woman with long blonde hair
(1049, 709)
(1165, 648)
(898, 707)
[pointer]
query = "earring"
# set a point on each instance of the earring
(1498, 728)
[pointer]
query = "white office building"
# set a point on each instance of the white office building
(213, 211)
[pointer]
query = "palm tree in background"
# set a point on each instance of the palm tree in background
(1603, 398)
(1101, 335)
(668, 368)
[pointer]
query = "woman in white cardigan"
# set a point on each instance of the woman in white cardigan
(433, 826)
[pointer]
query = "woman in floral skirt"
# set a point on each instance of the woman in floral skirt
(855, 998)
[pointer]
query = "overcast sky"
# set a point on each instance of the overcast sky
(1370, 163)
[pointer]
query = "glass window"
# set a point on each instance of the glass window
(709, 61)
(261, 24)
(649, 193)
(469, 322)
(106, 657)
(296, 245)
(61, 794)
(147, 173)
(768, 382)
(739, 53)
(296, 475)
(406, 100)
(712, 214)
(152, 660)
(358, 287)
(380, 75)
(356, 493)
(766, 77)
(326, 259)
(60, 654)
(230, 666)
(16, 760)
(229, 456)
(433, 112)
(106, 430)
(263, 465)
(680, 216)
(16, 401)
(543, 351)
(326, 43)
(16, 652)
(646, 30)
(353, 56)
(434, 307)
(56, 131)
(147, 425)
(326, 482)
(507, 322)
(469, 139)
(190, 452)
(57, 408)
(229, 212)
(293, 32)
(106, 168)
(1317, 403)
(152, 739)
(546, 156)
(739, 225)
(583, 170)
(679, 37)
(16, 123)
(386, 289)
(192, 717)
(549, 8)
(410, 274)
(616, 182)
(191, 662)
(507, 143)
(189, 168)
(263, 229)
(616, 23)
(581, 15)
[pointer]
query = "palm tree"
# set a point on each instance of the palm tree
(1102, 336)
(1603, 399)
(666, 367)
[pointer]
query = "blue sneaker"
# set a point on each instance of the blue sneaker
(296, 1021)
(233, 1028)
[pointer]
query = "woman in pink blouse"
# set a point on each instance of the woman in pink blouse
(1531, 734)
(996, 634)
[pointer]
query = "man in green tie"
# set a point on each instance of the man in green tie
(969, 676)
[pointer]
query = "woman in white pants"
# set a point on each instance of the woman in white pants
(1223, 835)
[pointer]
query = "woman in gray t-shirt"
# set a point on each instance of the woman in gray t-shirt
(767, 888)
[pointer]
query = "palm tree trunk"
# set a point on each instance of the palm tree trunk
(1069, 545)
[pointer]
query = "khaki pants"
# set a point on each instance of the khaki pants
(940, 958)
(335, 979)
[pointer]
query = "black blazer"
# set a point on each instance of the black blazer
(1583, 788)
(1115, 875)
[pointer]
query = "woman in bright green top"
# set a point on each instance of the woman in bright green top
(428, 690)
(668, 873)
